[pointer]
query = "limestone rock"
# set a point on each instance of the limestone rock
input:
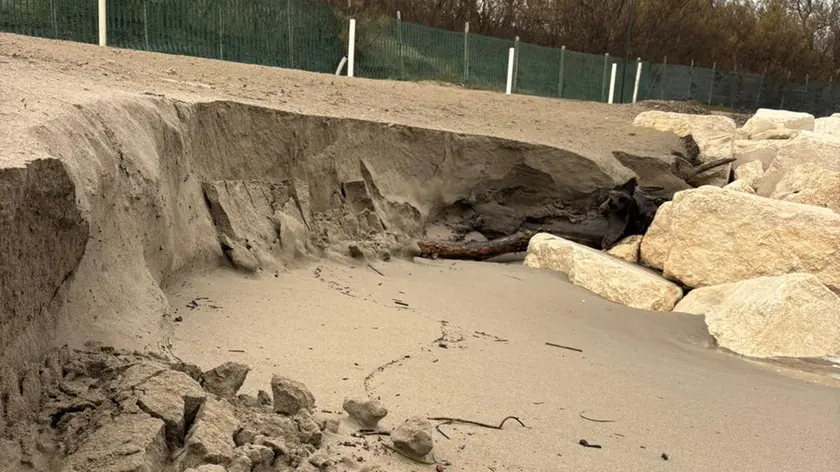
(366, 411)
(700, 300)
(718, 236)
(808, 148)
(128, 443)
(290, 396)
(210, 439)
(600, 273)
(226, 379)
(829, 125)
(740, 186)
(751, 173)
(786, 119)
(413, 436)
(654, 248)
(810, 184)
(627, 249)
(792, 315)
(776, 134)
(757, 125)
(745, 152)
(714, 135)
(168, 395)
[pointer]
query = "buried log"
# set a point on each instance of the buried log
(475, 251)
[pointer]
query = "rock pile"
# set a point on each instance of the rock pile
(760, 257)
(101, 409)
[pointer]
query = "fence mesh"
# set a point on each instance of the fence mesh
(313, 37)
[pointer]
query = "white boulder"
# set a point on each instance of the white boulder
(745, 151)
(751, 173)
(792, 315)
(740, 186)
(810, 184)
(829, 125)
(627, 249)
(714, 135)
(612, 278)
(808, 148)
(717, 236)
(786, 119)
(653, 252)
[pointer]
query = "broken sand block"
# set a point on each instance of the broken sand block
(128, 443)
(290, 396)
(226, 379)
(210, 439)
(600, 273)
(792, 315)
(413, 436)
(366, 411)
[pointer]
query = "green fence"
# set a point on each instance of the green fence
(313, 36)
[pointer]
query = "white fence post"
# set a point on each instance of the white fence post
(510, 72)
(638, 78)
(351, 48)
(103, 34)
(612, 83)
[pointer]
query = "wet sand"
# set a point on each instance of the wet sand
(655, 376)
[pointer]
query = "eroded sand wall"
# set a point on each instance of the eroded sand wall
(89, 235)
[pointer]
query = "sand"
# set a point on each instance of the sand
(655, 375)
(136, 144)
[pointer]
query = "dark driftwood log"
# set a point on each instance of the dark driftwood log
(475, 251)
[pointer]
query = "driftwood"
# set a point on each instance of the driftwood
(629, 210)
(475, 251)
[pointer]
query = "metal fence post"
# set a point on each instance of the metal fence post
(760, 86)
(604, 77)
(221, 34)
(291, 34)
(400, 39)
(466, 52)
(690, 78)
(664, 78)
(516, 64)
(562, 69)
(712, 85)
(54, 18)
(146, 23)
(784, 91)
(732, 91)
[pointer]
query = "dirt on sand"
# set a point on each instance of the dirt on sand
(133, 184)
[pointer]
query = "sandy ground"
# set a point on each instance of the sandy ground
(337, 328)
(656, 376)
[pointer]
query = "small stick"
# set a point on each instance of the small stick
(400, 303)
(585, 443)
(370, 432)
(419, 461)
(374, 269)
(476, 423)
(594, 420)
(441, 432)
(236, 350)
(564, 347)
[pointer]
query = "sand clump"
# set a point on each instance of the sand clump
(102, 409)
